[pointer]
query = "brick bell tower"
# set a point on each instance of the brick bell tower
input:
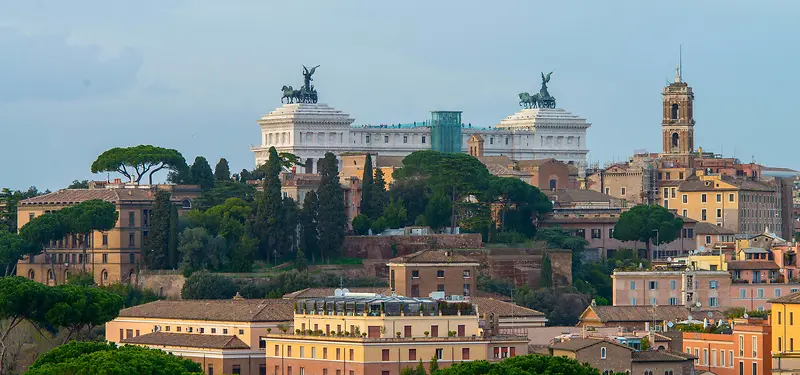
(677, 126)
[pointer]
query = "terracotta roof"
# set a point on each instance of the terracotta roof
(189, 340)
(638, 313)
(488, 305)
(574, 345)
(389, 161)
(500, 159)
(245, 310)
(74, 196)
(302, 179)
(661, 356)
(501, 170)
(694, 183)
(707, 228)
(434, 256)
(327, 292)
(535, 163)
(752, 265)
(789, 298)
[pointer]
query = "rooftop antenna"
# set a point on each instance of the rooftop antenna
(679, 69)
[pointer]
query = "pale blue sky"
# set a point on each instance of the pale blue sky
(78, 77)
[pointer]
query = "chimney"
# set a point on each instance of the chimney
(117, 181)
(294, 169)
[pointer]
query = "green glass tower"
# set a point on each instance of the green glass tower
(446, 131)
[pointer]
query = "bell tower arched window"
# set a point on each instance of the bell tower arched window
(674, 114)
(674, 139)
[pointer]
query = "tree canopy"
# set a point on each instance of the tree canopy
(105, 358)
(531, 364)
(12, 248)
(83, 218)
(222, 172)
(137, 161)
(201, 173)
(205, 285)
(649, 224)
(9, 199)
(332, 219)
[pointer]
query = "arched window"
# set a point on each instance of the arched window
(104, 276)
(31, 274)
(674, 112)
(553, 184)
(186, 205)
(674, 139)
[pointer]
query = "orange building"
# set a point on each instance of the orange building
(111, 256)
(744, 351)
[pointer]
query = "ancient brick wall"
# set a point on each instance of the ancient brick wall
(168, 285)
(387, 247)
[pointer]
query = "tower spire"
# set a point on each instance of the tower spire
(679, 69)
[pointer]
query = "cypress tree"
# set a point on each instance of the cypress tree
(332, 215)
(269, 205)
(309, 232)
(546, 278)
(222, 171)
(201, 173)
(380, 196)
(367, 189)
(172, 242)
(157, 245)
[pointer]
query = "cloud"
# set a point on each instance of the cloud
(46, 67)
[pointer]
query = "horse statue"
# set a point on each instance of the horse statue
(527, 100)
(289, 94)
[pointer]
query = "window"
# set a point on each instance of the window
(622, 191)
(423, 139)
(302, 351)
(673, 301)
(703, 215)
(719, 198)
(31, 216)
(633, 301)
(760, 293)
(653, 301)
(672, 285)
(351, 354)
(405, 139)
(755, 369)
(105, 239)
(412, 354)
(777, 292)
(241, 332)
(633, 285)
(580, 233)
(178, 328)
(779, 317)
(722, 358)
(595, 233)
(415, 274)
(666, 203)
(104, 258)
(506, 140)
(705, 356)
(755, 347)
(791, 344)
(189, 329)
(791, 318)
(385, 139)
(131, 240)
(224, 331)
(465, 274)
(669, 176)
(653, 285)
(685, 198)
(713, 284)
(210, 369)
(439, 353)
(610, 232)
(713, 301)
(730, 197)
(131, 219)
(741, 346)
(690, 232)
(237, 369)
(719, 213)
(435, 331)
(464, 353)
(730, 358)
(742, 293)
(603, 353)
(703, 198)
(708, 239)
(666, 190)
(779, 343)
(672, 193)
(201, 330)
(440, 273)
(466, 290)
(491, 141)
(385, 354)
(440, 288)
(367, 139)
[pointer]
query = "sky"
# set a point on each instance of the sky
(79, 77)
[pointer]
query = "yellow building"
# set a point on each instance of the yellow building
(739, 204)
(111, 256)
(785, 321)
(353, 165)
(223, 336)
(366, 334)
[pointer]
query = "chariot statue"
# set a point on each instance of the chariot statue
(306, 93)
(541, 100)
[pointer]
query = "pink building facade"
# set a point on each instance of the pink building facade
(709, 289)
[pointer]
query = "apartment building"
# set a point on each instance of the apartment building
(785, 354)
(112, 256)
(223, 336)
(366, 334)
(689, 288)
(424, 272)
(611, 357)
(744, 350)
